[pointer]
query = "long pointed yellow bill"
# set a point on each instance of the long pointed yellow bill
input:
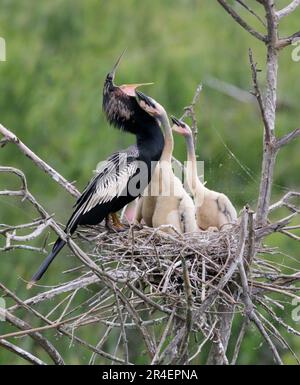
(129, 89)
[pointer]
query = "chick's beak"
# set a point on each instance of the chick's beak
(145, 99)
(178, 126)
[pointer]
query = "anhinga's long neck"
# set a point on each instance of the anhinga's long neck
(169, 141)
(150, 140)
(193, 181)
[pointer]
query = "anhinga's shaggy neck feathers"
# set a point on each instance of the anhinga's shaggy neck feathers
(122, 110)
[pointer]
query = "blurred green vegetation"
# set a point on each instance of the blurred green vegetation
(58, 53)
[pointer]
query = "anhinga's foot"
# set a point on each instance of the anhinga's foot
(116, 225)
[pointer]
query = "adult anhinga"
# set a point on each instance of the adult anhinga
(213, 209)
(125, 174)
(165, 201)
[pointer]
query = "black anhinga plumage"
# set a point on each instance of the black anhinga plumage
(125, 174)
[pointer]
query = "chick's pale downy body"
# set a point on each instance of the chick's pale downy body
(125, 174)
(213, 209)
(165, 201)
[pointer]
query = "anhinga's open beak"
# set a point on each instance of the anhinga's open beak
(130, 89)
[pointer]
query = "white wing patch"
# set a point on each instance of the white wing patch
(112, 183)
(110, 180)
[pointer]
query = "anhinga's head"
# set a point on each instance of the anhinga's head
(119, 102)
(151, 106)
(180, 127)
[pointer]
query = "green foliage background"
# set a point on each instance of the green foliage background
(58, 53)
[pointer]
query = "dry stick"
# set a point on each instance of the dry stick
(290, 235)
(156, 359)
(101, 342)
(30, 330)
(43, 342)
(64, 288)
(268, 112)
(273, 227)
(213, 293)
(170, 351)
(106, 278)
(288, 328)
(123, 330)
(276, 334)
(21, 353)
(257, 94)
(57, 325)
(57, 306)
(285, 41)
(250, 312)
(146, 336)
(239, 341)
(11, 137)
(189, 112)
(203, 290)
(241, 21)
(288, 138)
(72, 296)
(209, 335)
(288, 9)
(183, 348)
(116, 347)
(284, 201)
(252, 12)
(217, 353)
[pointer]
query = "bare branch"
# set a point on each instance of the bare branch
(183, 349)
(241, 21)
(21, 353)
(273, 227)
(10, 137)
(239, 342)
(288, 9)
(288, 138)
(43, 342)
(257, 94)
(285, 41)
(250, 312)
(189, 112)
(252, 12)
(284, 202)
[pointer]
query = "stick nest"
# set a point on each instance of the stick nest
(153, 259)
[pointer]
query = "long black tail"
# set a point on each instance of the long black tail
(58, 245)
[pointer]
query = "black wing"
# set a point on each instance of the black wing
(109, 182)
